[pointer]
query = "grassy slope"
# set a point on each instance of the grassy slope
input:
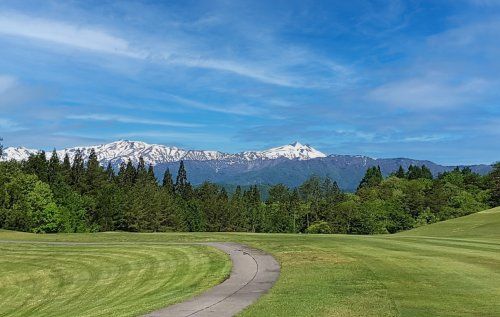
(102, 280)
(446, 269)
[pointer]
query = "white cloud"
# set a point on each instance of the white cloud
(428, 138)
(429, 93)
(134, 120)
(66, 34)
(238, 109)
(239, 68)
(281, 69)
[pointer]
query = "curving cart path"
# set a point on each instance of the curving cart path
(253, 274)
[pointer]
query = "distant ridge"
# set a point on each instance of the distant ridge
(124, 150)
(289, 164)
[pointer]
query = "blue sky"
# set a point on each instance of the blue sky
(412, 79)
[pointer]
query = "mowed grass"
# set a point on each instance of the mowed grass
(446, 269)
(39, 279)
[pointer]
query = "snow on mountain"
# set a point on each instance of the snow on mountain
(290, 151)
(123, 151)
(17, 153)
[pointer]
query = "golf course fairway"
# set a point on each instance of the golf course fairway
(450, 268)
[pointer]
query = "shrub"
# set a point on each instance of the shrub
(319, 227)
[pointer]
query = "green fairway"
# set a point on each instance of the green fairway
(103, 280)
(446, 269)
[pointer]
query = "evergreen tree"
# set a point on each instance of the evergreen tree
(66, 168)
(167, 182)
(94, 174)
(77, 173)
(372, 178)
(37, 165)
(182, 186)
(236, 220)
(141, 173)
(53, 168)
(494, 180)
(151, 174)
(1, 147)
(121, 173)
(110, 173)
(425, 172)
(130, 174)
(400, 173)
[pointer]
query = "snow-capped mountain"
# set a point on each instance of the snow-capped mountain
(123, 151)
(289, 164)
(17, 153)
(291, 151)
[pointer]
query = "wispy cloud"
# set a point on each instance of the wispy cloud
(231, 109)
(66, 34)
(238, 68)
(429, 93)
(100, 40)
(134, 120)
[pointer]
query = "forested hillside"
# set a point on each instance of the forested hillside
(50, 195)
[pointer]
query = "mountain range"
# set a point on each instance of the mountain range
(289, 164)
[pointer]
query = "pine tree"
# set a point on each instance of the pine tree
(400, 173)
(130, 174)
(167, 182)
(425, 172)
(77, 174)
(53, 168)
(151, 174)
(94, 174)
(141, 171)
(1, 147)
(182, 186)
(110, 173)
(66, 168)
(121, 173)
(236, 217)
(414, 172)
(372, 178)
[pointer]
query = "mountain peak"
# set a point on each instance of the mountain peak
(294, 150)
(122, 151)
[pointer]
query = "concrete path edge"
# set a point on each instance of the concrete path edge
(253, 273)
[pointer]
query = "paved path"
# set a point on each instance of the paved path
(253, 274)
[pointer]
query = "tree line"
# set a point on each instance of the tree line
(49, 195)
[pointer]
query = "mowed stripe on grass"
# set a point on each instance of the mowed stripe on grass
(445, 269)
(103, 280)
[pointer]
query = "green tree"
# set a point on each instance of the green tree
(53, 168)
(167, 182)
(94, 174)
(77, 174)
(372, 178)
(66, 168)
(494, 185)
(129, 174)
(182, 186)
(46, 216)
(151, 174)
(110, 172)
(400, 173)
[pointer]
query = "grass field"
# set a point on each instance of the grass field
(103, 280)
(446, 269)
